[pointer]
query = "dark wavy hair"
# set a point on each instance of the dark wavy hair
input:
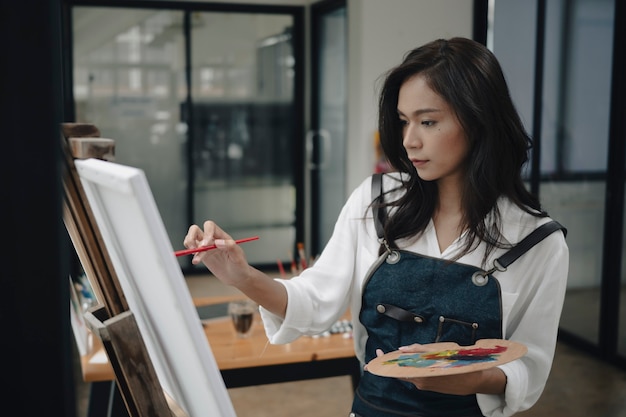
(469, 78)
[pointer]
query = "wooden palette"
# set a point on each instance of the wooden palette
(447, 358)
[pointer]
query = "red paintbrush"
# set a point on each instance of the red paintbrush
(206, 248)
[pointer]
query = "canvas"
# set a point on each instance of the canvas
(154, 286)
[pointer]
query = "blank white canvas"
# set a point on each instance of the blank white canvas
(154, 286)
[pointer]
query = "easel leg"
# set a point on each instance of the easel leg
(116, 408)
(99, 398)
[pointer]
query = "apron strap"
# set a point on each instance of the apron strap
(502, 262)
(377, 200)
(528, 242)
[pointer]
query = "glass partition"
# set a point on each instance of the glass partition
(327, 142)
(224, 148)
(129, 81)
(243, 131)
(574, 137)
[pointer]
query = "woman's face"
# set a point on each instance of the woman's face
(432, 135)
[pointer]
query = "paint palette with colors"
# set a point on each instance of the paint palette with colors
(447, 358)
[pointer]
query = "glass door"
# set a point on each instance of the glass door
(129, 81)
(326, 142)
(244, 128)
(572, 167)
(575, 146)
(575, 169)
(209, 104)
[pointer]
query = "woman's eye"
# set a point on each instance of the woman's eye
(428, 122)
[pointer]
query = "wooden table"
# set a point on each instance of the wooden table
(254, 361)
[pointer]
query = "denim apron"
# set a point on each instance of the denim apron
(409, 298)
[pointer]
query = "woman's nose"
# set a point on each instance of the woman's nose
(410, 137)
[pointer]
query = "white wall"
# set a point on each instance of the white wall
(379, 34)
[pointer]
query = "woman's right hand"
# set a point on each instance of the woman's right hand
(227, 262)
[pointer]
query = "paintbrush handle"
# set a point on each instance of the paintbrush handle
(206, 248)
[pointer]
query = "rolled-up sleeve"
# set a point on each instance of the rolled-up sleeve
(321, 294)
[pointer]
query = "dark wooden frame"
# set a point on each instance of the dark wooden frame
(111, 320)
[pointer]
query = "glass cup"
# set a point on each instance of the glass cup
(241, 313)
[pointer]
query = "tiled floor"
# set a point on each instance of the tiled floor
(579, 386)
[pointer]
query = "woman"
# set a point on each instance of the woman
(456, 203)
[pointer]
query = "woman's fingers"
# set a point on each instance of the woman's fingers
(209, 234)
(193, 237)
(414, 348)
(379, 352)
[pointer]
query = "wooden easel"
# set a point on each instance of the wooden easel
(83, 141)
(111, 320)
(134, 373)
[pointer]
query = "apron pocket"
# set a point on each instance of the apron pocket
(458, 331)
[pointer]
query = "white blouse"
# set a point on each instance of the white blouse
(533, 290)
